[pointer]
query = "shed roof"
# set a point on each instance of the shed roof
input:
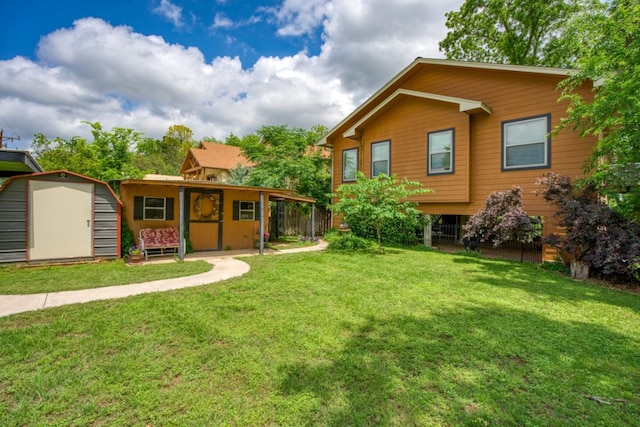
(17, 162)
(274, 193)
(62, 174)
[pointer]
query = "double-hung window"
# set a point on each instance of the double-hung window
(153, 208)
(380, 155)
(440, 151)
(246, 210)
(350, 165)
(526, 143)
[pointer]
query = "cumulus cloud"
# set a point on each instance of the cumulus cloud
(95, 71)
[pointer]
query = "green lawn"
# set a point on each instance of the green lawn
(56, 278)
(338, 339)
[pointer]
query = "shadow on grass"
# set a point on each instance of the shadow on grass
(471, 366)
(533, 279)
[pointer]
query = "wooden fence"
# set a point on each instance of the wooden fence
(297, 220)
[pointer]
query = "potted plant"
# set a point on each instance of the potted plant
(135, 254)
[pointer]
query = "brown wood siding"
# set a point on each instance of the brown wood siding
(478, 165)
(235, 234)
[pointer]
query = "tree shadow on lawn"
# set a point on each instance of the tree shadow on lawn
(549, 284)
(471, 366)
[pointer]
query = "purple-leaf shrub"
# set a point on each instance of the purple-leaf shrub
(594, 233)
(503, 219)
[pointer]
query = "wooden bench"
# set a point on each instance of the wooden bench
(158, 240)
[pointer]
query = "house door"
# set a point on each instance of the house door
(205, 220)
(60, 220)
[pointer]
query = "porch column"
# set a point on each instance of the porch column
(261, 223)
(313, 221)
(181, 245)
(427, 233)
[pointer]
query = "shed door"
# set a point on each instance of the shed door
(60, 220)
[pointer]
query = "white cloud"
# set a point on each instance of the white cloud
(221, 21)
(112, 74)
(298, 17)
(170, 11)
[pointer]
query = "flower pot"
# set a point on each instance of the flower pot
(135, 258)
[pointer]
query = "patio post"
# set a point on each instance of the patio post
(181, 245)
(261, 223)
(313, 221)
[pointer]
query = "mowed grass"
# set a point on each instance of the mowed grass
(56, 278)
(334, 339)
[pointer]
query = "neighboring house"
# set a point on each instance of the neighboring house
(58, 216)
(212, 162)
(464, 130)
(214, 216)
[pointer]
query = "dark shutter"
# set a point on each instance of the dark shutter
(236, 210)
(168, 215)
(256, 211)
(138, 207)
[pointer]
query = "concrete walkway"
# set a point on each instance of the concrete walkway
(225, 266)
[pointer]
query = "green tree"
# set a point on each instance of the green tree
(239, 175)
(377, 200)
(113, 152)
(288, 158)
(108, 157)
(523, 32)
(612, 60)
(74, 154)
(165, 156)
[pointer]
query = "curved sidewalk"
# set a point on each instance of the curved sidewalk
(224, 267)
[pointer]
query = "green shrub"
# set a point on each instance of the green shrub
(350, 242)
(401, 230)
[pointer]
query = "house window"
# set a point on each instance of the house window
(380, 158)
(440, 152)
(350, 165)
(246, 210)
(525, 143)
(153, 208)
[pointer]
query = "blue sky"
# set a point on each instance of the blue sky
(218, 66)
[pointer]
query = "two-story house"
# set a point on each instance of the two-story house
(212, 162)
(463, 130)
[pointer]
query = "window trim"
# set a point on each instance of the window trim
(546, 144)
(344, 153)
(237, 210)
(140, 208)
(452, 151)
(388, 142)
(246, 211)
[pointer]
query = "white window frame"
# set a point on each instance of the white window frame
(430, 152)
(387, 159)
(244, 212)
(346, 153)
(146, 208)
(542, 140)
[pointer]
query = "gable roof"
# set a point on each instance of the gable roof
(62, 173)
(392, 90)
(216, 156)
